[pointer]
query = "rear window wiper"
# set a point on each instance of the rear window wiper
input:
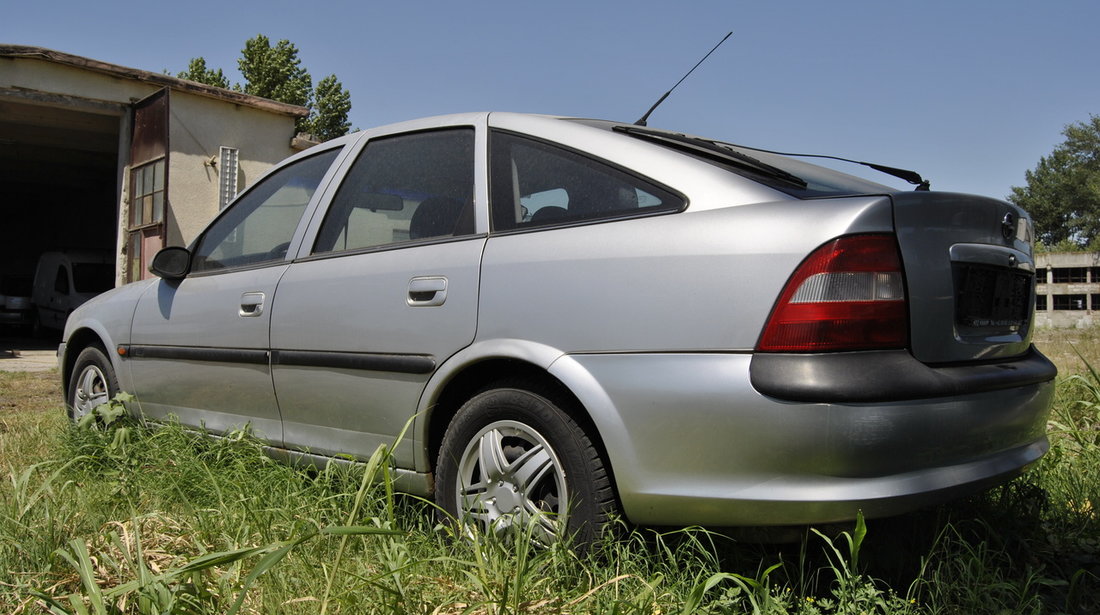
(723, 152)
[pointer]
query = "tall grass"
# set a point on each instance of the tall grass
(127, 519)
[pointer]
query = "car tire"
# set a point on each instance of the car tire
(513, 461)
(93, 382)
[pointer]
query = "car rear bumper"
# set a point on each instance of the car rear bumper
(798, 500)
(888, 375)
(691, 441)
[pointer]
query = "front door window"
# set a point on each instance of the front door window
(258, 228)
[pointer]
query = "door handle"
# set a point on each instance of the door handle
(427, 291)
(252, 305)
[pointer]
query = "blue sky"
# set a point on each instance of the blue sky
(970, 93)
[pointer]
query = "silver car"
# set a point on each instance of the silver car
(580, 318)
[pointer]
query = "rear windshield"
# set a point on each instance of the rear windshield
(794, 177)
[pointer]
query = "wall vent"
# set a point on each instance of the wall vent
(227, 171)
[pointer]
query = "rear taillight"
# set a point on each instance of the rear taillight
(848, 295)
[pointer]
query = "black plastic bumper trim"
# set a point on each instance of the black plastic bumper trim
(191, 353)
(379, 362)
(887, 375)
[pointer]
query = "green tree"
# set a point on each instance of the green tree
(329, 116)
(1063, 191)
(197, 71)
(275, 72)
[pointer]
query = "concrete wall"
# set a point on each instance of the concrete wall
(1080, 315)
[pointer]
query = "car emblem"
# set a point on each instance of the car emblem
(1008, 226)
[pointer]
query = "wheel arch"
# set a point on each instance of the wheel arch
(78, 340)
(530, 371)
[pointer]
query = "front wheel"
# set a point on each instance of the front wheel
(513, 461)
(92, 382)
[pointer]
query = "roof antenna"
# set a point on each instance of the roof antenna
(641, 122)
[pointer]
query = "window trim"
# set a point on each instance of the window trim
(389, 247)
(614, 217)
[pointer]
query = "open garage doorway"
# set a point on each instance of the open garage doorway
(58, 181)
(59, 184)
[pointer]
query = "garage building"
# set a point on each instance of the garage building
(104, 158)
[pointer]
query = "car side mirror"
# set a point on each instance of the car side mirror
(171, 263)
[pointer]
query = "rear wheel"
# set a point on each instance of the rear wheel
(92, 382)
(512, 461)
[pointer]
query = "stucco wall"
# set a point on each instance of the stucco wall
(198, 128)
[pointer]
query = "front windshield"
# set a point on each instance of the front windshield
(812, 180)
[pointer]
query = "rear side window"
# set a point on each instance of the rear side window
(536, 184)
(411, 187)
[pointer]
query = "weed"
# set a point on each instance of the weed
(122, 518)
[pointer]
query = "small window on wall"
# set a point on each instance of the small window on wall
(1069, 302)
(148, 189)
(1040, 303)
(147, 194)
(1070, 275)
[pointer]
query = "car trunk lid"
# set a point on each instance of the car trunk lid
(970, 276)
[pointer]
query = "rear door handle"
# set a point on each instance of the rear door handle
(427, 291)
(252, 305)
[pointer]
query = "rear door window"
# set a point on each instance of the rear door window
(411, 187)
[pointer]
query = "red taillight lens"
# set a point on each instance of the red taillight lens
(848, 295)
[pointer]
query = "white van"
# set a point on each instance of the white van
(65, 280)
